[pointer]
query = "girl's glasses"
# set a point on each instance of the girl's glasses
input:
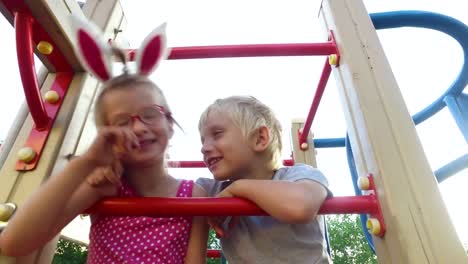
(150, 115)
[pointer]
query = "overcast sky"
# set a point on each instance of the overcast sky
(424, 62)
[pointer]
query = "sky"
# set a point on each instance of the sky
(424, 63)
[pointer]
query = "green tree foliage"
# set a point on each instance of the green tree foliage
(348, 244)
(213, 243)
(68, 252)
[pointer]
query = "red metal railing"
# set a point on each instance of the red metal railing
(201, 164)
(166, 207)
(249, 50)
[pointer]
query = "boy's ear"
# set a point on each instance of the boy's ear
(261, 139)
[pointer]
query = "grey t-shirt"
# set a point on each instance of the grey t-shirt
(263, 239)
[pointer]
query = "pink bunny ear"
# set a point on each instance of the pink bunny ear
(151, 51)
(92, 50)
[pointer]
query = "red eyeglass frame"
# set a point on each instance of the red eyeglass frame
(159, 107)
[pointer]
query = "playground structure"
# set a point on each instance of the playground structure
(382, 138)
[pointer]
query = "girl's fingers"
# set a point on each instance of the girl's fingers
(95, 178)
(121, 141)
(111, 176)
(90, 181)
(103, 175)
(126, 141)
(117, 168)
(131, 139)
(100, 178)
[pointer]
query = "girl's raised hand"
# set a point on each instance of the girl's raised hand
(110, 145)
(106, 180)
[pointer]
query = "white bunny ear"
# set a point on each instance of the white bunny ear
(151, 51)
(92, 49)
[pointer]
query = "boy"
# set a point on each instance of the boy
(241, 141)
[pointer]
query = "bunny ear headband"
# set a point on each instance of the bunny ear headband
(95, 53)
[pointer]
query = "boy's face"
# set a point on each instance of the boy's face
(226, 152)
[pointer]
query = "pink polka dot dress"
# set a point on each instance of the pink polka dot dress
(141, 239)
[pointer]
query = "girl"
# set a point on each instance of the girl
(126, 160)
(241, 140)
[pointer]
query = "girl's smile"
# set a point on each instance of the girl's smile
(137, 108)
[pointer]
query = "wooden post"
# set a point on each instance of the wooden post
(385, 143)
(306, 156)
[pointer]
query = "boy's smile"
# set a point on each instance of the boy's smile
(225, 151)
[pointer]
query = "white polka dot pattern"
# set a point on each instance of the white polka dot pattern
(140, 239)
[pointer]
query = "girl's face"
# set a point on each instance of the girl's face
(120, 104)
(226, 152)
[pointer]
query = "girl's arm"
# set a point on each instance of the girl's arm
(196, 252)
(49, 209)
(65, 195)
(291, 202)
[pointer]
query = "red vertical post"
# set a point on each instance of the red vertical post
(25, 54)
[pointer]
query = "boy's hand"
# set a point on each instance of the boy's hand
(216, 222)
(106, 179)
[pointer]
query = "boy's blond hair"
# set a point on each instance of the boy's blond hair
(249, 114)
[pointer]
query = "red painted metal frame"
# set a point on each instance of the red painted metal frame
(377, 213)
(201, 164)
(167, 207)
(25, 53)
(249, 50)
(29, 31)
(37, 138)
(56, 59)
(302, 134)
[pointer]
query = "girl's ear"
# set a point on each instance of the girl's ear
(261, 139)
(171, 131)
(151, 51)
(92, 50)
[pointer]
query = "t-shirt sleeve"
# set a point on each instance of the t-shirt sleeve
(301, 171)
(210, 185)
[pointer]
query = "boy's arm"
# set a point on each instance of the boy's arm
(49, 209)
(291, 202)
(196, 251)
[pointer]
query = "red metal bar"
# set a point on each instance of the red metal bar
(378, 212)
(25, 53)
(249, 50)
(201, 164)
(213, 253)
(315, 103)
(168, 207)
